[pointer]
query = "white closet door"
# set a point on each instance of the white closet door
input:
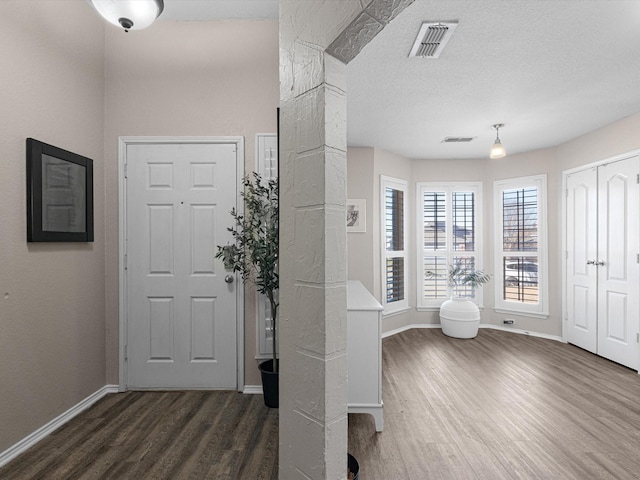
(582, 275)
(618, 276)
(603, 270)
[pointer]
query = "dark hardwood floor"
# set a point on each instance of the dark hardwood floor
(159, 435)
(501, 406)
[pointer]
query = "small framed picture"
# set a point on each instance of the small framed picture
(356, 215)
(59, 194)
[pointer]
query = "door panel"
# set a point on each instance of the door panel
(582, 248)
(181, 314)
(161, 323)
(618, 276)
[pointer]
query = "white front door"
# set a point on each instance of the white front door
(603, 271)
(181, 314)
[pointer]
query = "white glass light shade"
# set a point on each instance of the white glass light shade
(129, 14)
(497, 151)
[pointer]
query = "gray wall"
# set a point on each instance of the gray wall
(186, 78)
(71, 80)
(52, 309)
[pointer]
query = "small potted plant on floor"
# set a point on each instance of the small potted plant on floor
(254, 254)
(459, 316)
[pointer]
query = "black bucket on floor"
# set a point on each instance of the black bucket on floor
(270, 386)
(353, 465)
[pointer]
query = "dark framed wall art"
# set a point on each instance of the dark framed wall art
(59, 194)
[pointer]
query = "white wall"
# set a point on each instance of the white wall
(186, 78)
(360, 184)
(614, 139)
(522, 165)
(365, 166)
(52, 340)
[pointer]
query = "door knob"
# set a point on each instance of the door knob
(600, 263)
(228, 279)
(591, 262)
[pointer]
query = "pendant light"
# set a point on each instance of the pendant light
(129, 14)
(497, 151)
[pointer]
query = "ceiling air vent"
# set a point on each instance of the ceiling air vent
(457, 139)
(432, 38)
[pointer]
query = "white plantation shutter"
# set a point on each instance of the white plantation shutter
(267, 167)
(394, 241)
(449, 231)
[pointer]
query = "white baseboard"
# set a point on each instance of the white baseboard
(30, 440)
(523, 332)
(390, 333)
(252, 390)
(482, 325)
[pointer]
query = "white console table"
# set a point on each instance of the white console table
(364, 352)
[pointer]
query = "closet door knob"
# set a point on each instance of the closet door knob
(591, 262)
(600, 263)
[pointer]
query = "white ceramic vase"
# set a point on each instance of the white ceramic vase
(459, 318)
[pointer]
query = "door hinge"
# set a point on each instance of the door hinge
(125, 261)
(125, 170)
(126, 353)
(637, 257)
(637, 337)
(637, 177)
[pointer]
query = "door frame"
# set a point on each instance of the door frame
(123, 142)
(565, 251)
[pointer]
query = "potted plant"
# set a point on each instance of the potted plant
(254, 254)
(459, 316)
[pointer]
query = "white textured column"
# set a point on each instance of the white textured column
(313, 169)
(313, 322)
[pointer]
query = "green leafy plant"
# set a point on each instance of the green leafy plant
(460, 274)
(254, 251)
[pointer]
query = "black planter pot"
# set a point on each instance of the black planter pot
(353, 465)
(270, 387)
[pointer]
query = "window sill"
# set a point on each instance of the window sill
(437, 308)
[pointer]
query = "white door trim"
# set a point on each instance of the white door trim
(123, 142)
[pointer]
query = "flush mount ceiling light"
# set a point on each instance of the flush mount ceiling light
(497, 151)
(129, 14)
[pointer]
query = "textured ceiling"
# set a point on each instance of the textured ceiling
(203, 10)
(550, 70)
